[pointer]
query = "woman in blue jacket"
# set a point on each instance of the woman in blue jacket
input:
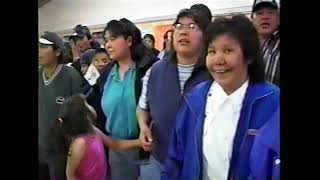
(217, 121)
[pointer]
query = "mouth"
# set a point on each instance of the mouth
(110, 52)
(184, 41)
(221, 71)
(264, 25)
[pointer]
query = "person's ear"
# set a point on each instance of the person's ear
(58, 52)
(129, 41)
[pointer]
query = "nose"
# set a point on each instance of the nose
(219, 58)
(107, 45)
(183, 31)
(265, 16)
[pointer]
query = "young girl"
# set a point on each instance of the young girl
(86, 156)
(218, 120)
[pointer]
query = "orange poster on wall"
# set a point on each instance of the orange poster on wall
(159, 31)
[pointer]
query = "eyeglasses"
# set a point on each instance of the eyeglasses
(190, 27)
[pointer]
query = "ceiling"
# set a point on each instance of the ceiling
(42, 3)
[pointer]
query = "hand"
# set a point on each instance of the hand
(146, 138)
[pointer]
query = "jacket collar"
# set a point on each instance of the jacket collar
(254, 91)
(197, 102)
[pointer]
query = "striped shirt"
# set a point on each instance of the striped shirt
(271, 57)
(184, 71)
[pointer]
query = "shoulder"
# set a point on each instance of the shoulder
(71, 71)
(263, 89)
(161, 64)
(76, 150)
(68, 68)
(78, 143)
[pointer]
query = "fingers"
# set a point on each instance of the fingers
(148, 135)
(146, 139)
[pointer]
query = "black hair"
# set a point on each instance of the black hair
(68, 56)
(204, 11)
(101, 50)
(240, 28)
(74, 114)
(150, 36)
(61, 59)
(200, 21)
(76, 121)
(195, 16)
(126, 28)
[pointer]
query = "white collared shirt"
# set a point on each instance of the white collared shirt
(220, 124)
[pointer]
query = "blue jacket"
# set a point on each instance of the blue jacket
(265, 154)
(184, 160)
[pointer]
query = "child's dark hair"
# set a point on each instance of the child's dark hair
(126, 28)
(150, 36)
(241, 29)
(102, 50)
(76, 121)
(74, 114)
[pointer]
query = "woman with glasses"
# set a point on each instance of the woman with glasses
(164, 85)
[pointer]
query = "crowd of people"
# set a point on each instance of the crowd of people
(204, 107)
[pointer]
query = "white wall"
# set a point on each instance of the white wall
(65, 14)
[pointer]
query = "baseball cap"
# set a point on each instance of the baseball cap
(258, 4)
(81, 31)
(51, 38)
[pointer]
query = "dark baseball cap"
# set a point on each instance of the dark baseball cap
(81, 31)
(51, 38)
(259, 4)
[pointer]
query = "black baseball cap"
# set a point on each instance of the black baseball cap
(258, 4)
(81, 31)
(51, 38)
